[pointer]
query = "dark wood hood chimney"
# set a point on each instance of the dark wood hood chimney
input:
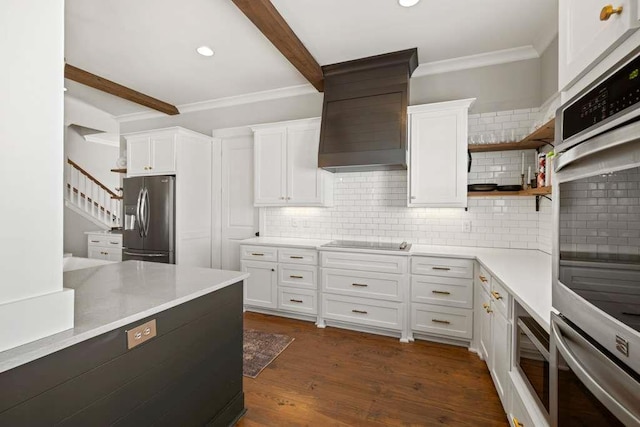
(364, 113)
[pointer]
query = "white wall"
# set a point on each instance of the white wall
(549, 70)
(31, 79)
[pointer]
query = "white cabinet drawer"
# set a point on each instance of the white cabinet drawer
(444, 267)
(370, 285)
(105, 240)
(108, 254)
(500, 298)
(259, 253)
(364, 262)
(298, 300)
(451, 292)
(298, 276)
(363, 311)
(298, 256)
(446, 321)
(484, 278)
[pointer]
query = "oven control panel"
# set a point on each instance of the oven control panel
(616, 95)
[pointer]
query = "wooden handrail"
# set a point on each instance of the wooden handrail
(88, 175)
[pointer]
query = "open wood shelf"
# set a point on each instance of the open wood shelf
(542, 191)
(540, 137)
(121, 170)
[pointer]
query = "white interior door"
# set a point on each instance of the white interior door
(239, 217)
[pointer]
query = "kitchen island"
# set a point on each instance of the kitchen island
(190, 373)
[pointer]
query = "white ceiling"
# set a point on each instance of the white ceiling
(149, 45)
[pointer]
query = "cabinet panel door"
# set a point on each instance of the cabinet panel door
(163, 154)
(138, 155)
(584, 38)
(485, 327)
(438, 175)
(501, 334)
(113, 254)
(96, 252)
(270, 172)
(260, 289)
(304, 183)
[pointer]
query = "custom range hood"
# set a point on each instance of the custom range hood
(364, 113)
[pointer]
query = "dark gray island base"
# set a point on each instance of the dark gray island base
(190, 374)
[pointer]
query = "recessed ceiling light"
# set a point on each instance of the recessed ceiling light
(408, 3)
(205, 51)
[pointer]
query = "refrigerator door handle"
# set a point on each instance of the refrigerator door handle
(139, 212)
(143, 255)
(147, 212)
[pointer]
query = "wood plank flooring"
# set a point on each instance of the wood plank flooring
(335, 377)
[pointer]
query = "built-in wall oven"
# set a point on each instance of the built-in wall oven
(595, 339)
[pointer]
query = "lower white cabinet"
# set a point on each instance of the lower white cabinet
(442, 320)
(260, 289)
(500, 352)
(485, 326)
(363, 311)
(105, 246)
(298, 300)
(518, 414)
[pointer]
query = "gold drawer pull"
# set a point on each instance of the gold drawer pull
(359, 311)
(441, 292)
(441, 268)
(296, 257)
(95, 241)
(496, 295)
(486, 308)
(608, 11)
(256, 254)
(296, 277)
(517, 422)
(483, 279)
(444, 322)
(360, 285)
(115, 243)
(296, 300)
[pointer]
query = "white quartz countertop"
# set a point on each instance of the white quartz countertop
(111, 296)
(525, 273)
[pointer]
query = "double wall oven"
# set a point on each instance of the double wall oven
(595, 338)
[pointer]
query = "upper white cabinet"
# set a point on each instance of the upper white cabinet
(151, 154)
(438, 154)
(589, 30)
(286, 165)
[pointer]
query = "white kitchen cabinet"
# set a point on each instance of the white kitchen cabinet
(105, 246)
(260, 288)
(151, 154)
(286, 165)
(485, 326)
(500, 352)
(438, 154)
(584, 38)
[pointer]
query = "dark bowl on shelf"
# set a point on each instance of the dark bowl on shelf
(509, 187)
(482, 187)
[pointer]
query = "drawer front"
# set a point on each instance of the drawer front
(445, 321)
(500, 298)
(445, 291)
(370, 285)
(364, 262)
(484, 278)
(298, 300)
(443, 267)
(298, 256)
(259, 253)
(298, 276)
(363, 311)
(106, 241)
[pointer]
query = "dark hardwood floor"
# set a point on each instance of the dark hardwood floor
(334, 377)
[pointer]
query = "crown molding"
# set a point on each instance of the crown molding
(475, 61)
(111, 139)
(230, 101)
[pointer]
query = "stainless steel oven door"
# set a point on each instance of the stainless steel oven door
(596, 245)
(587, 387)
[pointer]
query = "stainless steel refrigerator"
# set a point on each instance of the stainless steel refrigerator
(149, 222)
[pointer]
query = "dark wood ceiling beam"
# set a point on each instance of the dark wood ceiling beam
(88, 79)
(266, 17)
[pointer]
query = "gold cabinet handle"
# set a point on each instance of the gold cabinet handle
(517, 422)
(359, 311)
(441, 268)
(360, 285)
(257, 254)
(296, 277)
(296, 257)
(444, 322)
(95, 241)
(496, 295)
(482, 279)
(487, 308)
(115, 243)
(608, 11)
(296, 300)
(441, 292)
